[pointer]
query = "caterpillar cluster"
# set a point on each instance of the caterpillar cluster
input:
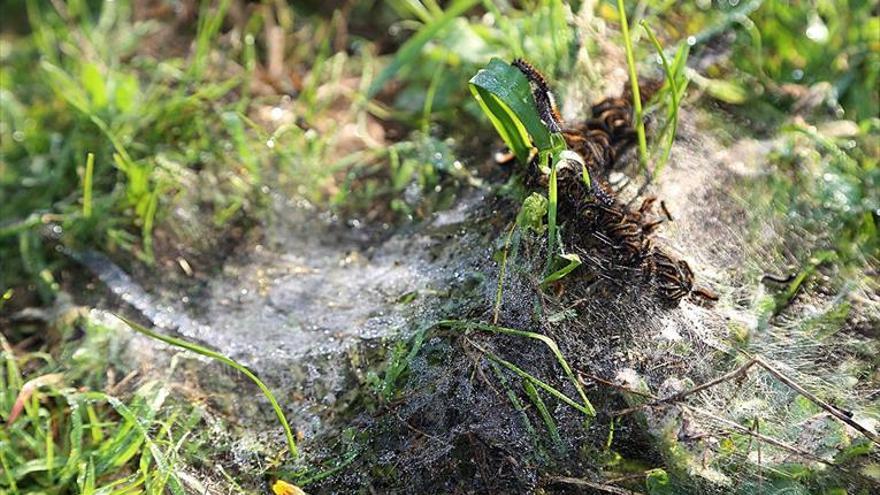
(597, 213)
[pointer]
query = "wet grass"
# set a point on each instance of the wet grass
(68, 429)
(103, 142)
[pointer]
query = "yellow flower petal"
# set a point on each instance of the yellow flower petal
(282, 487)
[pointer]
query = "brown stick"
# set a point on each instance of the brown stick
(681, 395)
(772, 441)
(834, 411)
(596, 486)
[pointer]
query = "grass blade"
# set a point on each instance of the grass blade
(409, 51)
(586, 407)
(87, 185)
(634, 82)
(549, 422)
(671, 79)
(291, 444)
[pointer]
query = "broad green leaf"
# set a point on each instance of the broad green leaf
(506, 97)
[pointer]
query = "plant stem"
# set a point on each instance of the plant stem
(551, 216)
(634, 82)
(87, 185)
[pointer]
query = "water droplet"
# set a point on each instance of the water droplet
(18, 136)
(817, 30)
(692, 40)
(797, 74)
(270, 143)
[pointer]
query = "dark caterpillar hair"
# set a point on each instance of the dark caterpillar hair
(544, 100)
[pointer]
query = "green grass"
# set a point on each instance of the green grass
(145, 123)
(639, 121)
(101, 141)
(63, 434)
(399, 365)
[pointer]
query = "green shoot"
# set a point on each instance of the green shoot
(499, 292)
(634, 82)
(553, 197)
(677, 84)
(87, 185)
(535, 397)
(291, 444)
(574, 261)
(505, 95)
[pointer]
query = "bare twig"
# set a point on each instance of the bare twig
(591, 484)
(834, 411)
(681, 395)
(772, 441)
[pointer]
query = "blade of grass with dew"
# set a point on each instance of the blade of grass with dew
(409, 51)
(549, 422)
(550, 343)
(499, 291)
(225, 360)
(537, 381)
(518, 406)
(634, 83)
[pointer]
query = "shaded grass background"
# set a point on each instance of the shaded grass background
(178, 109)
